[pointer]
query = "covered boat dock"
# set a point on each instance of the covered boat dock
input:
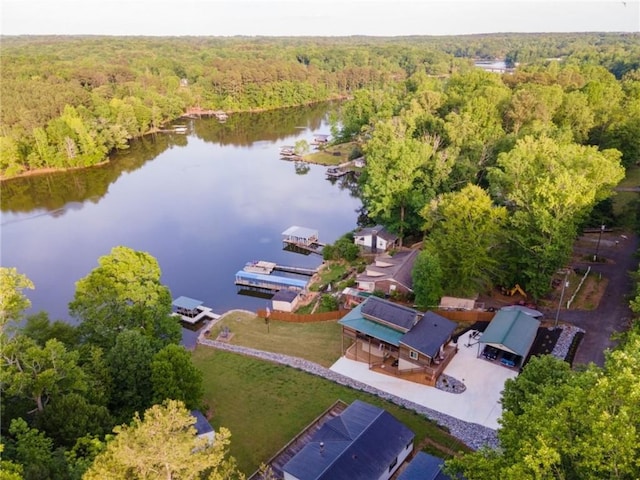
(191, 310)
(269, 282)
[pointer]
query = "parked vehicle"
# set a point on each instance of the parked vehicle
(490, 353)
(508, 359)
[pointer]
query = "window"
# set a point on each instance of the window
(393, 464)
(413, 355)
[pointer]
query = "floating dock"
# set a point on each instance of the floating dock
(267, 268)
(269, 282)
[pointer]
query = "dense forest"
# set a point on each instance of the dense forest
(70, 101)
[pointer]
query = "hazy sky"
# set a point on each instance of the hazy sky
(314, 17)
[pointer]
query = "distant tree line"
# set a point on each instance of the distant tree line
(70, 101)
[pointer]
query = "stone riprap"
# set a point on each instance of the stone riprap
(561, 348)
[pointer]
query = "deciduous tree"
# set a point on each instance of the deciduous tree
(124, 292)
(427, 280)
(163, 445)
(13, 302)
(175, 377)
(466, 230)
(39, 372)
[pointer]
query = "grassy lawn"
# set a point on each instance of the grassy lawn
(330, 273)
(319, 342)
(332, 155)
(265, 405)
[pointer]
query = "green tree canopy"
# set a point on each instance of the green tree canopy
(13, 302)
(39, 372)
(163, 445)
(175, 377)
(550, 188)
(124, 292)
(129, 364)
(427, 280)
(466, 230)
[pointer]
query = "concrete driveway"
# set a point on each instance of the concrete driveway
(479, 403)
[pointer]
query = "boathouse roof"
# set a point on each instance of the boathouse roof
(272, 279)
(186, 303)
(300, 232)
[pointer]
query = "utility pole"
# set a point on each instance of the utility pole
(565, 284)
(595, 256)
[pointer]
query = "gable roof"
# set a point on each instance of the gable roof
(361, 443)
(429, 334)
(186, 303)
(399, 269)
(424, 467)
(389, 313)
(357, 322)
(379, 230)
(511, 330)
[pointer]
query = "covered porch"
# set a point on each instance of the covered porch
(385, 358)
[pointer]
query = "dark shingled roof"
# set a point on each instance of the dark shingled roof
(397, 316)
(429, 334)
(284, 295)
(424, 467)
(359, 444)
(202, 425)
(379, 230)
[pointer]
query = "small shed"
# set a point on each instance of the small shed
(203, 427)
(285, 300)
(454, 303)
(300, 235)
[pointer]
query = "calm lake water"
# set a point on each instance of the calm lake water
(203, 204)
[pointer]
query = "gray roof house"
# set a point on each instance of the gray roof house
(364, 442)
(375, 238)
(389, 273)
(398, 340)
(202, 426)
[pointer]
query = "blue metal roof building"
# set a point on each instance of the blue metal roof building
(364, 442)
(270, 282)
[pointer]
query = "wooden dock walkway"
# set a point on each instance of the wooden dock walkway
(309, 272)
(267, 268)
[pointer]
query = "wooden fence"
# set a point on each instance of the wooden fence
(466, 315)
(302, 317)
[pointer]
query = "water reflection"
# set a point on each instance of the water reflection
(203, 204)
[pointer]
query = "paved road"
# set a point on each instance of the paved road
(613, 313)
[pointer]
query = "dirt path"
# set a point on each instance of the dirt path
(613, 313)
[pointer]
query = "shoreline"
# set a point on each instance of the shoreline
(48, 170)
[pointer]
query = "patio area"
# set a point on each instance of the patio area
(479, 403)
